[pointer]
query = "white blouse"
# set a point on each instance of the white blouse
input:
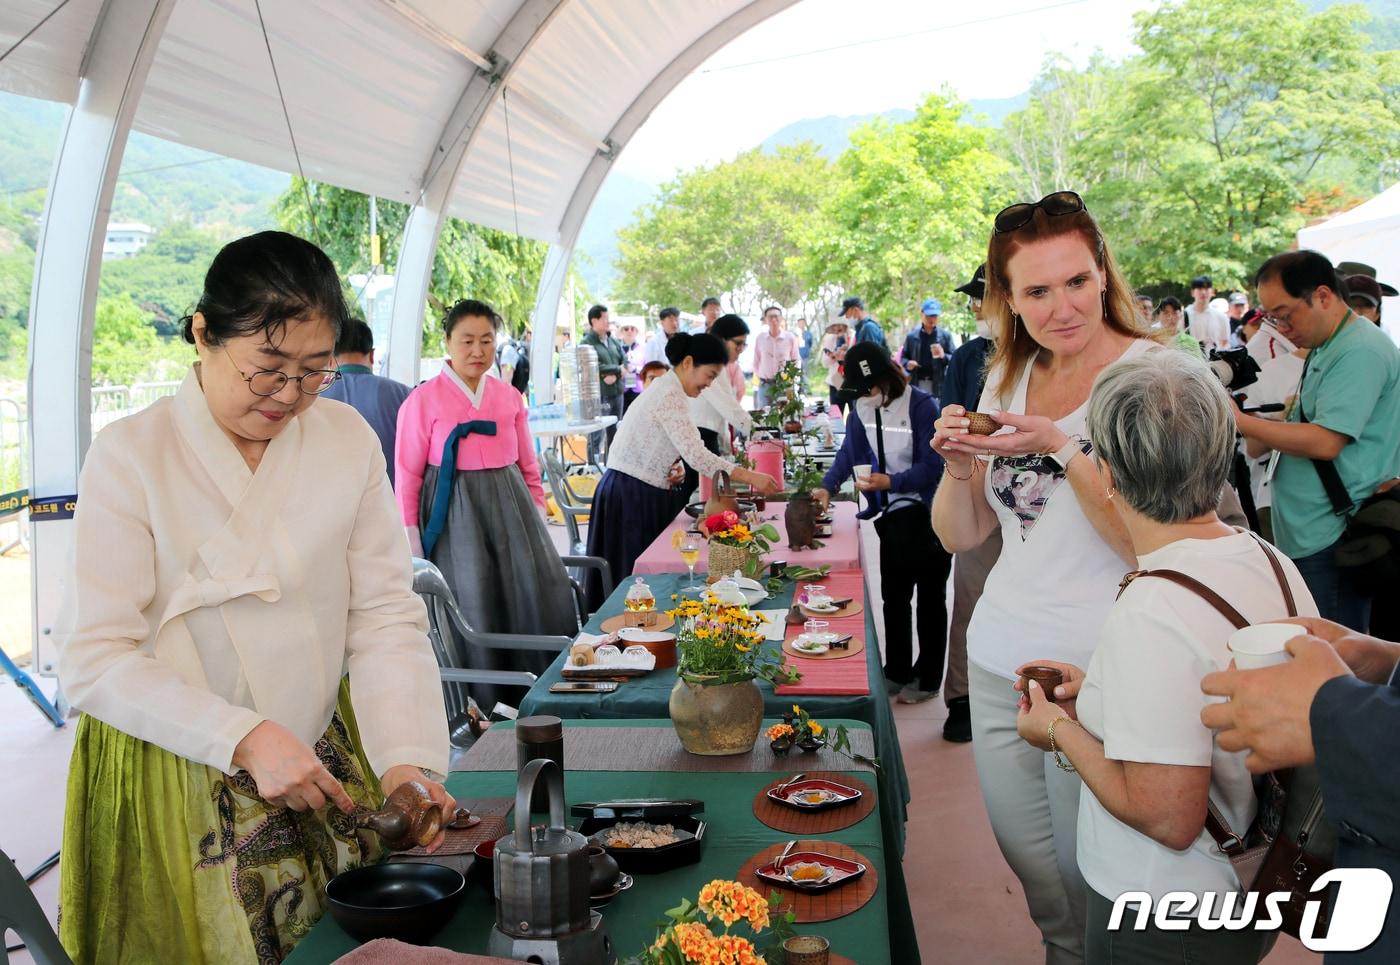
(716, 409)
(206, 598)
(656, 431)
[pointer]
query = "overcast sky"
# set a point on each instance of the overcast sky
(890, 53)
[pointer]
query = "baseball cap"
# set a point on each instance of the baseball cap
(865, 363)
(977, 288)
(1201, 281)
(932, 306)
(855, 301)
(1239, 298)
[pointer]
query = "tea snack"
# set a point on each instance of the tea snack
(581, 655)
(638, 834)
(981, 424)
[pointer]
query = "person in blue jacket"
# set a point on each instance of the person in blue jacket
(1336, 704)
(889, 428)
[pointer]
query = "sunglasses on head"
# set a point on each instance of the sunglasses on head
(1018, 215)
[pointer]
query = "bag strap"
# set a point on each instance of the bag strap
(1195, 586)
(1279, 575)
(1327, 472)
(880, 452)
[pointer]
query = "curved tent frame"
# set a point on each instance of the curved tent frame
(402, 99)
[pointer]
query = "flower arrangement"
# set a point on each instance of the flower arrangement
(721, 644)
(801, 728)
(729, 529)
(689, 939)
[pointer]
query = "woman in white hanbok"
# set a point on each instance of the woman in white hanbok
(237, 553)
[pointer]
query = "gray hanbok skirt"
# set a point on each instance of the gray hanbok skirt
(496, 555)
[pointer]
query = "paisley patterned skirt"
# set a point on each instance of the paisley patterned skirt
(167, 860)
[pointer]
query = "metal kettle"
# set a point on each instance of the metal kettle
(541, 873)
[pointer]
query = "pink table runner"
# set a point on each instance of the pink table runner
(840, 551)
(848, 675)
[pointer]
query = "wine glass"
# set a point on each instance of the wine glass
(690, 555)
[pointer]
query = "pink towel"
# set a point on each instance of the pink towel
(389, 951)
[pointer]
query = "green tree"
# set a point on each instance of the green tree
(126, 348)
(907, 217)
(166, 277)
(497, 267)
(734, 228)
(1236, 119)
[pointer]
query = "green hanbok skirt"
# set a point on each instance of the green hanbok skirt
(167, 860)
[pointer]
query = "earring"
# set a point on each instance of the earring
(1015, 323)
(1104, 297)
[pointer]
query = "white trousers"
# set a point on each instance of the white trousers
(1034, 809)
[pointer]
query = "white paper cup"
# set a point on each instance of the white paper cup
(1262, 645)
(863, 470)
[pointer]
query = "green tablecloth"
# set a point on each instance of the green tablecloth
(649, 696)
(866, 936)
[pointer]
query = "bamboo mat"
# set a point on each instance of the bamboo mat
(818, 906)
(659, 749)
(782, 817)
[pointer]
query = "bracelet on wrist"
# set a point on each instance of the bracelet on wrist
(1061, 761)
(971, 471)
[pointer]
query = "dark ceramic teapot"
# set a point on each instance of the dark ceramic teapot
(800, 518)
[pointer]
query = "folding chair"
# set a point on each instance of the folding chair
(573, 506)
(444, 620)
(20, 910)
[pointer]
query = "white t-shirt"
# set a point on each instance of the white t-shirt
(1209, 327)
(1054, 582)
(1142, 697)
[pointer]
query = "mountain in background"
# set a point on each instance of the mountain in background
(160, 182)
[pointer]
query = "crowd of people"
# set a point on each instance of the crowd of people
(212, 525)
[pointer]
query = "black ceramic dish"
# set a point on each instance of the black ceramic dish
(404, 900)
(679, 814)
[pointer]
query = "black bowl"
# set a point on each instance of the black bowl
(407, 900)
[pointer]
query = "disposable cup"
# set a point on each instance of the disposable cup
(863, 470)
(1262, 645)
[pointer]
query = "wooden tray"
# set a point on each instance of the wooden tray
(849, 610)
(855, 646)
(492, 811)
(781, 817)
(822, 906)
(616, 623)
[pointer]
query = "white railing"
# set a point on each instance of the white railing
(113, 402)
(14, 469)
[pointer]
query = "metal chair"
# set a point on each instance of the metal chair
(574, 566)
(573, 506)
(20, 910)
(446, 625)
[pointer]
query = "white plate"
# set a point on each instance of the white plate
(813, 648)
(789, 871)
(829, 608)
(638, 635)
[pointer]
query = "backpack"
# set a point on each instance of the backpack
(1289, 845)
(520, 378)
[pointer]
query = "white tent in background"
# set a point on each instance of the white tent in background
(1368, 233)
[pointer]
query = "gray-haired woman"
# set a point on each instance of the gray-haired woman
(1162, 432)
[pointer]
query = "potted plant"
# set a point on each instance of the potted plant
(736, 546)
(716, 706)
(801, 729)
(800, 514)
(686, 938)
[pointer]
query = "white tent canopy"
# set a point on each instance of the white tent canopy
(1368, 233)
(409, 100)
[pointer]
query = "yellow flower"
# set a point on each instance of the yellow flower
(816, 728)
(741, 648)
(796, 709)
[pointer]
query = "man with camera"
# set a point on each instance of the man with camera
(1345, 421)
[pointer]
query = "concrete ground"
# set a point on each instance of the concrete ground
(968, 906)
